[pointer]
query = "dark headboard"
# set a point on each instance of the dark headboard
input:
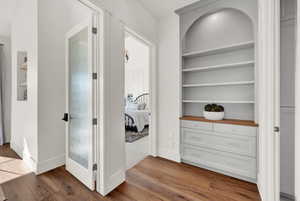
(143, 98)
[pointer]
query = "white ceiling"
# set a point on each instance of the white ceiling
(6, 14)
(161, 8)
(158, 8)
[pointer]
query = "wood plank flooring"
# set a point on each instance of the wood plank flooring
(154, 179)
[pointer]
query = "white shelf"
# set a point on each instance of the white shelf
(213, 101)
(219, 50)
(218, 84)
(241, 64)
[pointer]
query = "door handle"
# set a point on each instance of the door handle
(66, 117)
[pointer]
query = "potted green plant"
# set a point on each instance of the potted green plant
(214, 112)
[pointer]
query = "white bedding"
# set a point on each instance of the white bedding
(140, 117)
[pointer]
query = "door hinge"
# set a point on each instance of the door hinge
(94, 30)
(95, 121)
(95, 76)
(95, 167)
(276, 129)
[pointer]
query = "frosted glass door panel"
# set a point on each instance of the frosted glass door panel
(79, 99)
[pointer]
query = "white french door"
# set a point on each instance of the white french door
(79, 116)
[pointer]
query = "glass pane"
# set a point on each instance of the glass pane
(79, 98)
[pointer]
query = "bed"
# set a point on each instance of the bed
(137, 114)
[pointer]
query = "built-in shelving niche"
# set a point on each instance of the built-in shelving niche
(22, 68)
(218, 65)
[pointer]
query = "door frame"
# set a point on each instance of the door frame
(152, 89)
(269, 99)
(72, 166)
(98, 101)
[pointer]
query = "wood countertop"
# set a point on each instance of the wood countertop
(225, 121)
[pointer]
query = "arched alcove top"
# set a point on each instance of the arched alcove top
(222, 28)
(190, 14)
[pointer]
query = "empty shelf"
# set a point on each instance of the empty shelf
(241, 64)
(218, 101)
(218, 84)
(220, 50)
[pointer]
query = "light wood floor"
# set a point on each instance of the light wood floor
(154, 179)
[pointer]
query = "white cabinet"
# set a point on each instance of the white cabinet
(224, 148)
(197, 125)
(223, 162)
(235, 129)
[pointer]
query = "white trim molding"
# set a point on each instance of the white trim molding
(172, 155)
(50, 164)
(114, 181)
(268, 62)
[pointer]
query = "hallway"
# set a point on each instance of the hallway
(151, 180)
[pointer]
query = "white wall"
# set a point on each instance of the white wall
(51, 76)
(137, 68)
(37, 128)
(7, 9)
(287, 98)
(169, 85)
(5, 62)
(118, 13)
(24, 113)
(38, 134)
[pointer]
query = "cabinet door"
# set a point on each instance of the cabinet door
(221, 161)
(241, 145)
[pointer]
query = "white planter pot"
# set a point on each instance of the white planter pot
(214, 115)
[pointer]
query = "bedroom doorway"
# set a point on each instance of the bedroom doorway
(137, 99)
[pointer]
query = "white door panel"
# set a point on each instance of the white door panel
(79, 158)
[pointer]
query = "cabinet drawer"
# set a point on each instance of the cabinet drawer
(242, 145)
(197, 125)
(234, 129)
(224, 162)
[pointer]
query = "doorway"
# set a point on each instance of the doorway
(137, 99)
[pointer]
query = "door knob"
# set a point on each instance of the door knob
(66, 117)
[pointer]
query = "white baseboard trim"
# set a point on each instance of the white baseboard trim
(114, 181)
(17, 149)
(50, 164)
(170, 155)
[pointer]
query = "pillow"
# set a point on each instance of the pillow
(142, 106)
(132, 106)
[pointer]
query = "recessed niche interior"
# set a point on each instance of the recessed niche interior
(218, 65)
(22, 69)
